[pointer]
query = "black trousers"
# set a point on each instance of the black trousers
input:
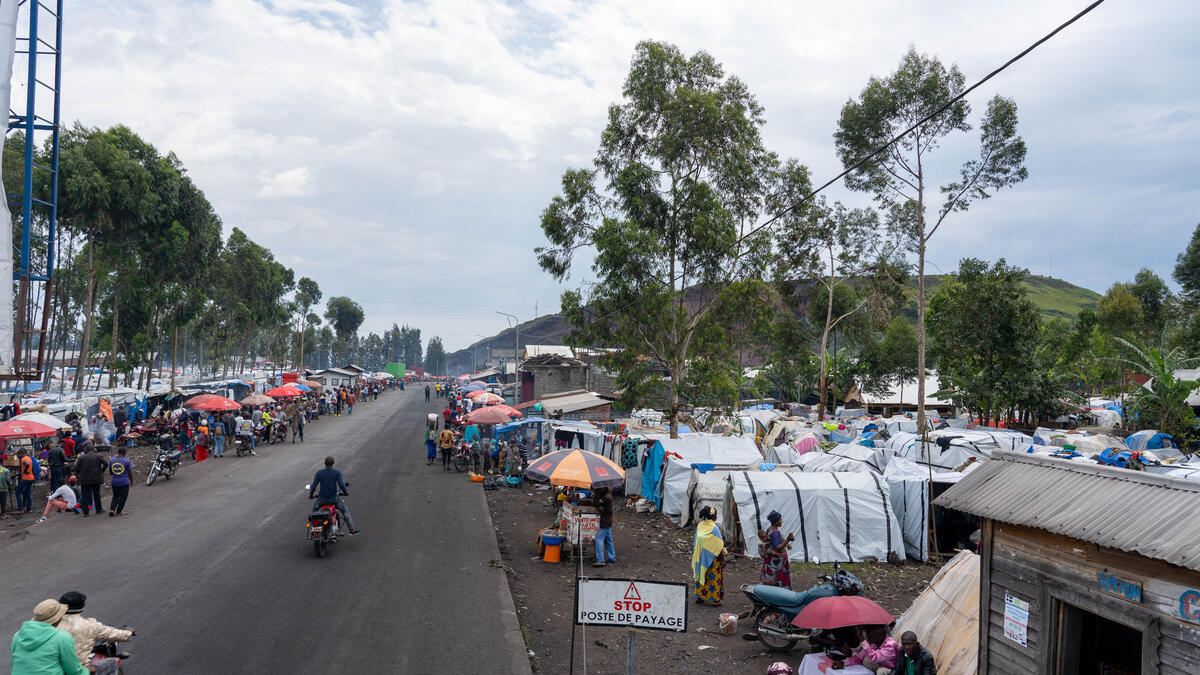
(120, 494)
(90, 492)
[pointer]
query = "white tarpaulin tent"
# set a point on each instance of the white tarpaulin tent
(846, 457)
(711, 488)
(908, 483)
(949, 449)
(843, 517)
(698, 449)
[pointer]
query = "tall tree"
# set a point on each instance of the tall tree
(308, 293)
(897, 178)
(680, 178)
(435, 357)
(345, 316)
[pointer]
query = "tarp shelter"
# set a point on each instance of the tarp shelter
(1149, 439)
(844, 517)
(710, 487)
(949, 449)
(846, 457)
(945, 616)
(908, 484)
(678, 455)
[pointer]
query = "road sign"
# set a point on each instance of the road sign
(631, 602)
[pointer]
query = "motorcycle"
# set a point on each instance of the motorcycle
(166, 462)
(110, 649)
(775, 607)
(324, 526)
(465, 457)
(279, 430)
(241, 445)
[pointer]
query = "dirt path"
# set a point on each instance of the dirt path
(651, 547)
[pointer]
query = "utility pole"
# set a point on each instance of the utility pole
(516, 326)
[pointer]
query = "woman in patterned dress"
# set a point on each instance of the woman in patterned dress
(708, 559)
(776, 569)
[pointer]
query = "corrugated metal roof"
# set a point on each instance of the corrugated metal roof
(1152, 515)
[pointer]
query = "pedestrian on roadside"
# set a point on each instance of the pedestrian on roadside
(298, 425)
(40, 647)
(430, 444)
(218, 437)
(57, 459)
(122, 473)
(201, 440)
(89, 470)
(6, 478)
(605, 551)
(448, 416)
(350, 403)
(446, 445)
(427, 393)
(68, 446)
(62, 499)
(26, 475)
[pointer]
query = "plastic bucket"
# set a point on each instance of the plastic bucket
(552, 554)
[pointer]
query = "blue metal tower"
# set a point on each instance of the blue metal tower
(41, 47)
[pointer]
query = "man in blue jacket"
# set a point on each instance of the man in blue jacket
(327, 488)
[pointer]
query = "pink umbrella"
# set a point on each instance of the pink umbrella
(212, 403)
(511, 411)
(492, 415)
(841, 611)
(488, 399)
(284, 392)
(473, 394)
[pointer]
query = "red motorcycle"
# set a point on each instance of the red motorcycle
(325, 526)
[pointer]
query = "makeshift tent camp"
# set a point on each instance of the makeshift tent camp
(908, 484)
(945, 616)
(710, 487)
(1149, 439)
(949, 449)
(842, 517)
(678, 455)
(846, 457)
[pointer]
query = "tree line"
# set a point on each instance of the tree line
(145, 280)
(709, 251)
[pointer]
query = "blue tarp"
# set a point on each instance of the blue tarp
(518, 424)
(1150, 440)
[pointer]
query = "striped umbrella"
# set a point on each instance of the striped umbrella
(488, 399)
(576, 468)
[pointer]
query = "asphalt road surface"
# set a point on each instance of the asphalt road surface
(213, 570)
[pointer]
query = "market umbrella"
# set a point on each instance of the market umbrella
(42, 418)
(312, 383)
(13, 429)
(472, 393)
(487, 399)
(512, 412)
(474, 387)
(286, 391)
(257, 399)
(479, 382)
(211, 403)
(841, 611)
(576, 468)
(491, 415)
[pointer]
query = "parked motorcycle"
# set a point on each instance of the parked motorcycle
(325, 526)
(166, 461)
(465, 457)
(775, 607)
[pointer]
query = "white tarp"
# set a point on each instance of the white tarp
(957, 446)
(846, 457)
(698, 449)
(843, 517)
(8, 42)
(908, 483)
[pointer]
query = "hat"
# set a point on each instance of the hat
(774, 518)
(779, 668)
(49, 611)
(74, 600)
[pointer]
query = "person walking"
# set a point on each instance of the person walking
(122, 473)
(89, 470)
(446, 445)
(57, 459)
(217, 429)
(27, 473)
(201, 440)
(427, 393)
(6, 478)
(298, 425)
(430, 444)
(350, 403)
(708, 559)
(40, 647)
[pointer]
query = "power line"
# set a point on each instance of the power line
(755, 230)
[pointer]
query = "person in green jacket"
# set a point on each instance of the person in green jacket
(41, 649)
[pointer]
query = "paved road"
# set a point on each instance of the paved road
(213, 570)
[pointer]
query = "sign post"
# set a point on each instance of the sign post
(632, 603)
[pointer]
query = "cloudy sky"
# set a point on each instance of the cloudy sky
(400, 153)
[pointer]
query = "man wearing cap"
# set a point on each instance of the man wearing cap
(87, 632)
(39, 647)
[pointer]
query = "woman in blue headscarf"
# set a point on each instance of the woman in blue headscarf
(708, 559)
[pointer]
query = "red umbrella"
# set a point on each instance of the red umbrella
(211, 402)
(841, 611)
(512, 412)
(25, 429)
(284, 392)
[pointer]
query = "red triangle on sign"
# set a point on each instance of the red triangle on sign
(631, 593)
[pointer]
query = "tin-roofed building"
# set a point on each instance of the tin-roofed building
(1084, 568)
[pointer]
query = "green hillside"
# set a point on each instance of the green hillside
(1055, 297)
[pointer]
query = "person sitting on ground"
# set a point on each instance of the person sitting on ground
(40, 647)
(878, 654)
(332, 487)
(62, 499)
(87, 632)
(914, 659)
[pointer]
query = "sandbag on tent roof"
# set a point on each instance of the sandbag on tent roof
(670, 491)
(843, 517)
(846, 457)
(945, 616)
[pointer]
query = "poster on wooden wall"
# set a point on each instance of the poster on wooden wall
(1016, 620)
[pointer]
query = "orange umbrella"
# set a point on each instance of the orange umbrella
(490, 415)
(284, 392)
(576, 468)
(488, 399)
(473, 394)
(211, 403)
(511, 411)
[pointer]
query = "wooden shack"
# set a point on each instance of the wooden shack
(1084, 568)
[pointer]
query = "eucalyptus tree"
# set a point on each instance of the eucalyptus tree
(680, 180)
(899, 178)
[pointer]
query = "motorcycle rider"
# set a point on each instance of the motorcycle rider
(332, 487)
(87, 632)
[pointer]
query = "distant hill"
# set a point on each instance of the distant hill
(1055, 297)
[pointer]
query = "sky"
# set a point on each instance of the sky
(401, 153)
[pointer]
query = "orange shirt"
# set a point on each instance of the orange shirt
(26, 468)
